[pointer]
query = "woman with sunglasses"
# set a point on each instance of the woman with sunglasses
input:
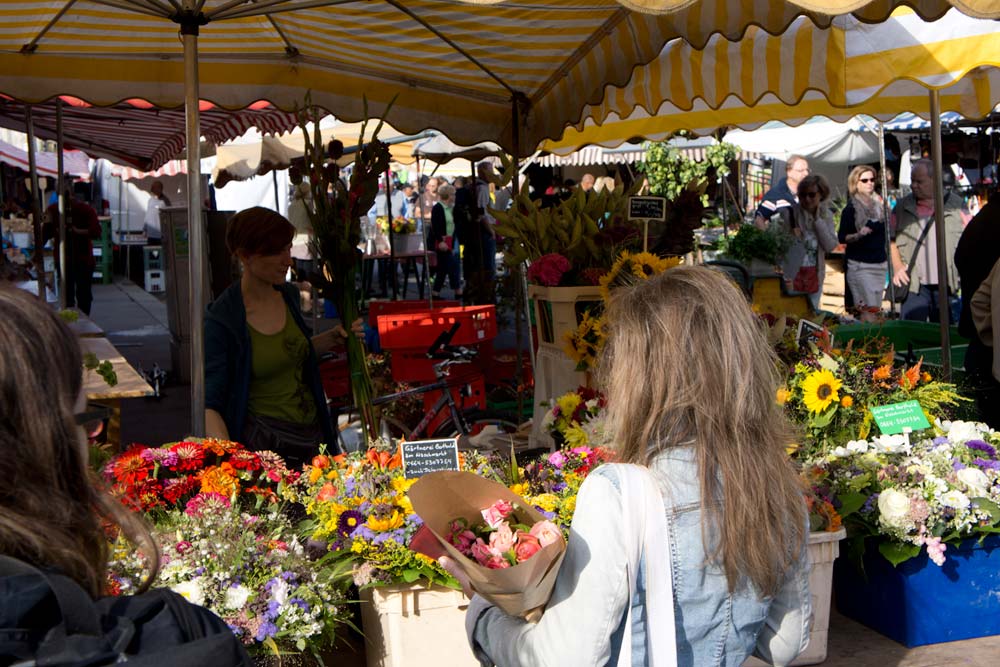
(862, 230)
(53, 516)
(805, 265)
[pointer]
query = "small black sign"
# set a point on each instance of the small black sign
(810, 331)
(647, 208)
(423, 456)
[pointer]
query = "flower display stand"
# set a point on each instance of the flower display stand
(917, 602)
(407, 243)
(557, 312)
(415, 626)
(823, 550)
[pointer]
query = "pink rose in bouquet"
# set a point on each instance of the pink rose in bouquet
(497, 543)
(548, 269)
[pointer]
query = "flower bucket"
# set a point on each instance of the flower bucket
(919, 603)
(404, 244)
(823, 550)
(415, 626)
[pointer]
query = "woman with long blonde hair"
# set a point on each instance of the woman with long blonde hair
(691, 383)
(862, 230)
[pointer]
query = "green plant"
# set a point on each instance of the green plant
(670, 172)
(749, 243)
(588, 229)
(102, 368)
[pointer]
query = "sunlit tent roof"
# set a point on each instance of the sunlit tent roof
(452, 66)
(851, 68)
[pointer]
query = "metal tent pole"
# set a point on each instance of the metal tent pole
(885, 208)
(196, 227)
(36, 208)
(940, 233)
(61, 207)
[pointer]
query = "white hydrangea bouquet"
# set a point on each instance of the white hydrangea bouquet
(908, 493)
(250, 569)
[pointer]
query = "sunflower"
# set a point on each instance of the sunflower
(646, 265)
(819, 390)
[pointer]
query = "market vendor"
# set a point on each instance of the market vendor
(262, 381)
(82, 227)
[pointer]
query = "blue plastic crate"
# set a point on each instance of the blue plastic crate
(919, 603)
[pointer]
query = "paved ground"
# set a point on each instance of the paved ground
(136, 323)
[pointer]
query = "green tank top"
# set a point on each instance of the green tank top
(276, 385)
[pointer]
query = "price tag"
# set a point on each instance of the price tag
(898, 417)
(647, 208)
(424, 456)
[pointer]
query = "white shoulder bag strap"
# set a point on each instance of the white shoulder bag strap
(646, 532)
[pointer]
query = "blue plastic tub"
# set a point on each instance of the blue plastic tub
(920, 603)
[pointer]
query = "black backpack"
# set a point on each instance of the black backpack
(47, 620)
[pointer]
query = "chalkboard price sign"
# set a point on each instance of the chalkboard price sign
(423, 456)
(647, 208)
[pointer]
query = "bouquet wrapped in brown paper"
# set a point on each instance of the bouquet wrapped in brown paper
(515, 568)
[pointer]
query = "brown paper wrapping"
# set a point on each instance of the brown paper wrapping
(441, 497)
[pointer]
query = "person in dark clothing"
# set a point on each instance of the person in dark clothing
(262, 382)
(444, 241)
(977, 251)
(82, 226)
(54, 521)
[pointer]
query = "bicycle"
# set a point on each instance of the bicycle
(474, 427)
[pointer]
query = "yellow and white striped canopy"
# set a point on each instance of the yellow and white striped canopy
(453, 66)
(850, 68)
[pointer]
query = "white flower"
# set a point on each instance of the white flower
(893, 506)
(549, 419)
(857, 446)
(959, 431)
(955, 499)
(891, 444)
(279, 591)
(841, 452)
(236, 597)
(190, 590)
(975, 479)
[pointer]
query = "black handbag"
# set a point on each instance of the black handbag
(899, 294)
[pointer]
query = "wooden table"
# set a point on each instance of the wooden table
(84, 327)
(130, 383)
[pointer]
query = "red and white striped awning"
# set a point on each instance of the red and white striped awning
(75, 163)
(172, 168)
(136, 133)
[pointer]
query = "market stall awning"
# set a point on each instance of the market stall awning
(243, 158)
(136, 133)
(75, 163)
(851, 68)
(452, 66)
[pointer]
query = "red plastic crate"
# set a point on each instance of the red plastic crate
(475, 399)
(376, 308)
(420, 330)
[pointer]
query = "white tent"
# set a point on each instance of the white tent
(831, 148)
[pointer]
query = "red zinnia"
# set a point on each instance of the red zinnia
(244, 460)
(190, 455)
(130, 467)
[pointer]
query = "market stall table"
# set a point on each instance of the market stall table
(409, 261)
(84, 327)
(130, 383)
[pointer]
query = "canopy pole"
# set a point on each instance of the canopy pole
(885, 207)
(36, 208)
(522, 314)
(277, 201)
(392, 236)
(944, 303)
(61, 207)
(196, 228)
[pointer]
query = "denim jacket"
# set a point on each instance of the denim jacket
(584, 619)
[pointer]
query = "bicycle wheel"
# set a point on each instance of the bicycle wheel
(490, 429)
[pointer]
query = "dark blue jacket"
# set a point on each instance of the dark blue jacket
(228, 361)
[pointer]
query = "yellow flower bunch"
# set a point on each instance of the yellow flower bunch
(584, 344)
(630, 268)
